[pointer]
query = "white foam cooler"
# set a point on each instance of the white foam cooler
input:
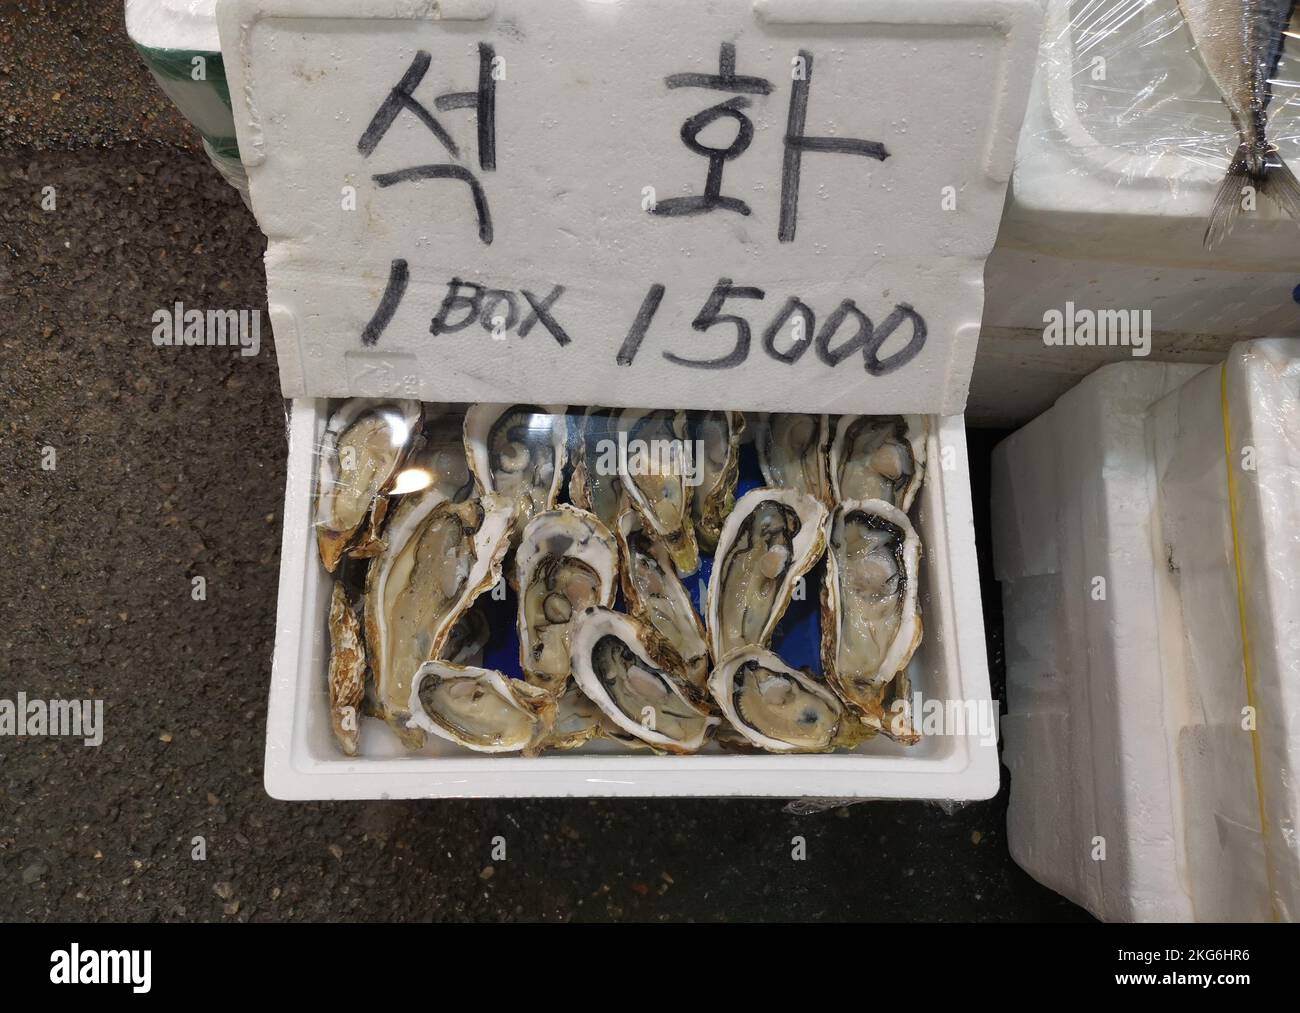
(1135, 789)
(580, 108)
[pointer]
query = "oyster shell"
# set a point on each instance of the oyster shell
(439, 464)
(794, 453)
(567, 560)
(595, 484)
(365, 444)
(656, 478)
(627, 671)
(577, 720)
(772, 538)
(480, 708)
(879, 457)
(347, 673)
(468, 637)
(871, 621)
(517, 451)
(776, 707)
(440, 557)
(655, 595)
(717, 441)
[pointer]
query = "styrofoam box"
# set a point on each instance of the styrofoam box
(1086, 677)
(1114, 182)
(303, 761)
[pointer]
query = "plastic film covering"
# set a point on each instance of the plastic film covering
(1227, 456)
(1170, 94)
(625, 510)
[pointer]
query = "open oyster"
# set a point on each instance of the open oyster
(365, 444)
(794, 453)
(480, 709)
(464, 644)
(517, 451)
(595, 484)
(655, 595)
(628, 671)
(776, 707)
(871, 622)
(771, 539)
(567, 560)
(717, 441)
(347, 673)
(440, 557)
(657, 478)
(577, 720)
(879, 457)
(440, 463)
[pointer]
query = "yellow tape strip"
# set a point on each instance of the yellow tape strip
(1247, 662)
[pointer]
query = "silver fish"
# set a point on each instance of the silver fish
(1240, 42)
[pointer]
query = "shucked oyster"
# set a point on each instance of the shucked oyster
(879, 457)
(776, 707)
(794, 453)
(480, 709)
(577, 720)
(347, 673)
(771, 539)
(717, 441)
(464, 644)
(567, 560)
(365, 444)
(595, 484)
(655, 595)
(627, 671)
(517, 451)
(439, 558)
(657, 475)
(440, 463)
(871, 622)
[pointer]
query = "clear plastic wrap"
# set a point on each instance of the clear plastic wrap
(1132, 93)
(643, 503)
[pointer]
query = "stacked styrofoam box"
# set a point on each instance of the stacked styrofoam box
(1085, 686)
(1242, 854)
(1133, 783)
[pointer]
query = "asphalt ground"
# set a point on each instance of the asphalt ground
(126, 470)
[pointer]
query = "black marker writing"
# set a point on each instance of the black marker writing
(398, 276)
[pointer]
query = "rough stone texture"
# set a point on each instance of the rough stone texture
(169, 464)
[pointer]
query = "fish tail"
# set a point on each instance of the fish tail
(1281, 186)
(1265, 173)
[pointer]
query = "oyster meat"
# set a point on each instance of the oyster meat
(517, 451)
(567, 561)
(365, 444)
(440, 464)
(480, 708)
(871, 620)
(347, 673)
(879, 457)
(771, 539)
(794, 453)
(717, 441)
(627, 671)
(440, 557)
(577, 720)
(656, 596)
(657, 477)
(595, 484)
(776, 707)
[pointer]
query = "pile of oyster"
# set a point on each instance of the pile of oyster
(425, 513)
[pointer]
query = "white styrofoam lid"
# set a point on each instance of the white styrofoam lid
(540, 152)
(173, 24)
